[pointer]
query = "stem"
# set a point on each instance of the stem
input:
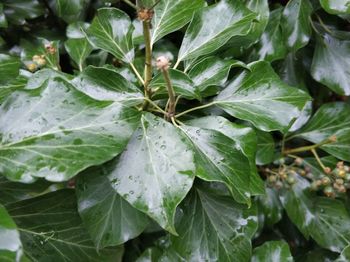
(148, 63)
(128, 2)
(194, 109)
(318, 159)
(171, 93)
(155, 105)
(324, 26)
(307, 148)
(137, 73)
(177, 63)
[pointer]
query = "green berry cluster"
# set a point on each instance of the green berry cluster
(283, 178)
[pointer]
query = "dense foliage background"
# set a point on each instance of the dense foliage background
(98, 162)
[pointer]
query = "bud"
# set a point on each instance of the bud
(333, 138)
(50, 49)
(328, 191)
(145, 15)
(298, 161)
(39, 60)
(32, 67)
(163, 63)
(272, 179)
(327, 170)
(291, 180)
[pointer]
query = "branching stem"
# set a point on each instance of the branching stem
(194, 109)
(308, 148)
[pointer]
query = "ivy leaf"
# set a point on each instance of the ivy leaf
(3, 21)
(9, 68)
(245, 141)
(182, 84)
(106, 84)
(11, 192)
(111, 30)
(10, 242)
(11, 86)
(345, 255)
(296, 23)
(260, 97)
(76, 30)
(170, 16)
(109, 219)
(156, 171)
(332, 119)
(57, 131)
(330, 63)
(228, 228)
(271, 207)
(40, 77)
(78, 49)
(336, 7)
(271, 45)
(211, 73)
(265, 148)
(17, 11)
(218, 159)
(278, 250)
(70, 10)
(207, 31)
(51, 230)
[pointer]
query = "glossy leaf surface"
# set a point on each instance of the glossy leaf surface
(156, 171)
(272, 250)
(78, 49)
(208, 30)
(260, 97)
(9, 68)
(111, 30)
(43, 141)
(336, 6)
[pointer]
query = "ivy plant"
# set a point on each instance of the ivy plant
(161, 130)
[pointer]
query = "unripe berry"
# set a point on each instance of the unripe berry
(341, 173)
(347, 177)
(272, 179)
(341, 189)
(291, 180)
(278, 185)
(326, 181)
(328, 191)
(298, 161)
(327, 170)
(339, 181)
(314, 186)
(32, 67)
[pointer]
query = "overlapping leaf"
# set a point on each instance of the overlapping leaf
(78, 49)
(111, 30)
(56, 131)
(156, 171)
(276, 250)
(336, 6)
(70, 10)
(332, 119)
(260, 97)
(9, 68)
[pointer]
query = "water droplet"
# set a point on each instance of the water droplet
(163, 147)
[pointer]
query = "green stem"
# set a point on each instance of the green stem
(171, 93)
(148, 63)
(307, 148)
(177, 63)
(318, 159)
(128, 2)
(137, 73)
(194, 109)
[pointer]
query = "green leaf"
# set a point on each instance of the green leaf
(260, 97)
(10, 242)
(40, 77)
(345, 255)
(76, 30)
(271, 45)
(208, 30)
(11, 192)
(106, 84)
(265, 149)
(9, 68)
(57, 131)
(275, 250)
(156, 171)
(170, 16)
(336, 7)
(111, 30)
(70, 10)
(211, 73)
(219, 159)
(271, 207)
(296, 23)
(330, 63)
(3, 21)
(51, 230)
(214, 228)
(245, 141)
(17, 11)
(78, 49)
(109, 219)
(182, 84)
(11, 86)
(332, 119)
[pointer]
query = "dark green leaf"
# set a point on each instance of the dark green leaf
(106, 84)
(56, 131)
(43, 75)
(3, 21)
(272, 251)
(109, 219)
(76, 30)
(296, 23)
(208, 31)
(271, 45)
(17, 11)
(9, 68)
(211, 73)
(331, 119)
(156, 171)
(271, 207)
(260, 97)
(10, 242)
(214, 228)
(111, 30)
(170, 16)
(78, 49)
(51, 230)
(70, 10)
(339, 7)
(182, 84)
(245, 141)
(265, 148)
(11, 86)
(345, 255)
(331, 62)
